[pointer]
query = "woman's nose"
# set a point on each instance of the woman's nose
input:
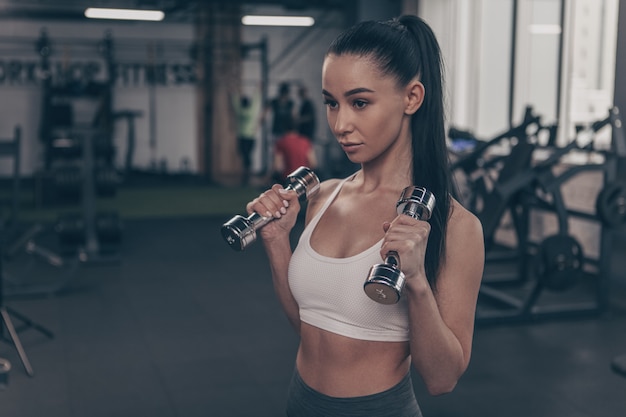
(342, 122)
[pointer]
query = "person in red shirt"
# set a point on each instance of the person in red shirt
(291, 151)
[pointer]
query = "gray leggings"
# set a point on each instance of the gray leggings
(398, 401)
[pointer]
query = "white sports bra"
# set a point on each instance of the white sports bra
(329, 291)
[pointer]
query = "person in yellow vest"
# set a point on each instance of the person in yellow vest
(248, 112)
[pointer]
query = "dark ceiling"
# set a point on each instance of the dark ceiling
(176, 10)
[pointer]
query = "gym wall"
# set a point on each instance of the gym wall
(76, 45)
(166, 132)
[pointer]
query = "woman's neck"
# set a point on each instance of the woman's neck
(387, 177)
(391, 170)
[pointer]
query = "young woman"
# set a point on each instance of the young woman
(382, 85)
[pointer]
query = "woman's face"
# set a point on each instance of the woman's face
(365, 108)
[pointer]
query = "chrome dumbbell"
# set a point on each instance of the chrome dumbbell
(385, 281)
(239, 232)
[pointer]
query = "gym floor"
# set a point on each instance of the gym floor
(181, 325)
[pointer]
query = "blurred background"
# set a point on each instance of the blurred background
(121, 156)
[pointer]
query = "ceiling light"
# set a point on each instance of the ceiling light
(124, 14)
(278, 21)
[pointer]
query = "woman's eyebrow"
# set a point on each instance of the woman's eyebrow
(350, 92)
(357, 91)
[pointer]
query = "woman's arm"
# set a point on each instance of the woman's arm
(442, 319)
(279, 253)
(283, 206)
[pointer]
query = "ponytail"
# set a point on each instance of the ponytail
(406, 48)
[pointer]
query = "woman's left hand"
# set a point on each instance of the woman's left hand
(408, 238)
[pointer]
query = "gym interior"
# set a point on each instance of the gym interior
(119, 168)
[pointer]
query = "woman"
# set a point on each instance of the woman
(382, 85)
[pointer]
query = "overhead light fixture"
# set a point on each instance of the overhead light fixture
(124, 14)
(251, 20)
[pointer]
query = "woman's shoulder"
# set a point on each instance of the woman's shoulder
(463, 223)
(315, 202)
(465, 250)
(325, 190)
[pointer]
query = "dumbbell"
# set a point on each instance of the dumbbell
(239, 232)
(385, 281)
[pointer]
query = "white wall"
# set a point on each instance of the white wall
(589, 70)
(537, 58)
(475, 38)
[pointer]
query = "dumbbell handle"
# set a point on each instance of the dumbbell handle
(240, 231)
(393, 259)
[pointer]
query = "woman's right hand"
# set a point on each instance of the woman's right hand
(280, 204)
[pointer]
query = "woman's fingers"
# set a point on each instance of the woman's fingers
(407, 237)
(273, 202)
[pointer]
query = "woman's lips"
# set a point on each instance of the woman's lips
(349, 147)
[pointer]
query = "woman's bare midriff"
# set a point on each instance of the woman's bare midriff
(340, 366)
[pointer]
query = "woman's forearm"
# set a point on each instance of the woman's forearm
(436, 352)
(279, 254)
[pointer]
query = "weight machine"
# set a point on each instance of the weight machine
(26, 258)
(473, 167)
(11, 148)
(553, 277)
(490, 185)
(6, 322)
(79, 154)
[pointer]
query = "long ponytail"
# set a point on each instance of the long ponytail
(406, 48)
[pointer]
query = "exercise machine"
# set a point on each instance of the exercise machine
(558, 279)
(551, 275)
(7, 315)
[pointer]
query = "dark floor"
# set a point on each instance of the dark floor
(183, 326)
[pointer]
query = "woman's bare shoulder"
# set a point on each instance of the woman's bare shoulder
(465, 256)
(325, 190)
(462, 217)
(463, 222)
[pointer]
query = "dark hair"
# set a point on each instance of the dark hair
(289, 124)
(405, 48)
(283, 89)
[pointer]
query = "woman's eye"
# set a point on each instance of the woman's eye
(330, 103)
(359, 104)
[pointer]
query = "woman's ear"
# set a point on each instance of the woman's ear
(414, 97)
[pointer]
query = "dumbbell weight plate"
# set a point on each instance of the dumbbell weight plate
(559, 262)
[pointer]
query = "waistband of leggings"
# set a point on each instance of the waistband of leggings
(405, 385)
